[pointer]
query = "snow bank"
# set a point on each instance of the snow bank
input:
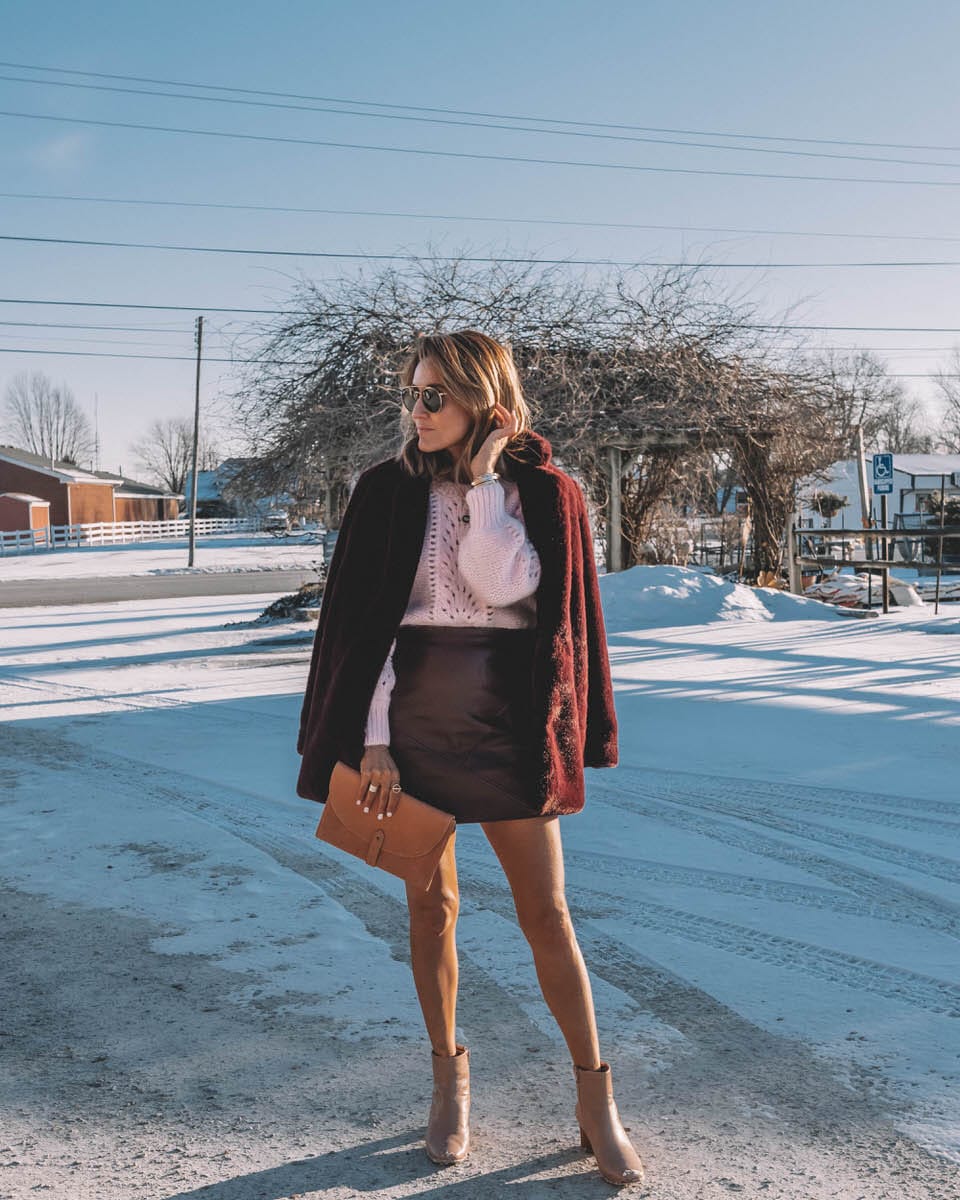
(669, 596)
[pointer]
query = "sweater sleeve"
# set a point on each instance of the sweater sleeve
(378, 720)
(496, 557)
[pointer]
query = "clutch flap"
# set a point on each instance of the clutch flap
(415, 829)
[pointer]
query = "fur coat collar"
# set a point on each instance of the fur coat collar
(368, 585)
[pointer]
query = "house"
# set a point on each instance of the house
(76, 496)
(219, 496)
(917, 480)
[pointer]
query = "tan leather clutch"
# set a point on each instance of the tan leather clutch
(409, 844)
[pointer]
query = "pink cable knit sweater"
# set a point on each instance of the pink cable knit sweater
(477, 567)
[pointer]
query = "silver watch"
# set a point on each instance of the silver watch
(487, 477)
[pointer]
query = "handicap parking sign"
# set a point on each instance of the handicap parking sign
(882, 474)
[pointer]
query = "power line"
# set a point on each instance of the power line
(360, 212)
(175, 330)
(277, 312)
(471, 258)
(95, 341)
(478, 124)
(190, 308)
(184, 331)
(473, 155)
(419, 108)
(284, 363)
(151, 357)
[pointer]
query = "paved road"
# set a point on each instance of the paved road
(22, 593)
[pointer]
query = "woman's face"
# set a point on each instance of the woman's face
(443, 430)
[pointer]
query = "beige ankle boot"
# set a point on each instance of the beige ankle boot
(600, 1129)
(448, 1134)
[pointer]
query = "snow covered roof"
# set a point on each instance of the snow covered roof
(927, 464)
(130, 487)
(23, 496)
(64, 471)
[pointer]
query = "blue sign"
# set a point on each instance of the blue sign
(882, 474)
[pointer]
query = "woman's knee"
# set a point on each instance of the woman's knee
(434, 911)
(545, 920)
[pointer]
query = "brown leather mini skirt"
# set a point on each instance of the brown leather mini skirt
(460, 719)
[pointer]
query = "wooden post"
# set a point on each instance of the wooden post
(793, 567)
(614, 520)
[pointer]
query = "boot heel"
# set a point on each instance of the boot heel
(585, 1141)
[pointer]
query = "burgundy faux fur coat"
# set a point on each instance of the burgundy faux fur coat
(368, 585)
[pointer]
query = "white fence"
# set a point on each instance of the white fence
(111, 533)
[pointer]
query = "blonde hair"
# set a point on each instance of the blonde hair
(477, 372)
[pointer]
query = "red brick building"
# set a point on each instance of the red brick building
(79, 497)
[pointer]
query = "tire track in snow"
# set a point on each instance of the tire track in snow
(804, 796)
(725, 800)
(612, 867)
(883, 892)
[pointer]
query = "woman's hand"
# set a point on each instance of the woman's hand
(379, 769)
(486, 457)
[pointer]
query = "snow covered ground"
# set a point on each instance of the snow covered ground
(214, 555)
(767, 892)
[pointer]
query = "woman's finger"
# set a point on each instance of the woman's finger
(364, 784)
(379, 806)
(370, 797)
(393, 797)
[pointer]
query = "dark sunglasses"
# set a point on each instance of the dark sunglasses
(432, 398)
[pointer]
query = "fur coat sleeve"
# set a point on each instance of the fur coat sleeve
(368, 585)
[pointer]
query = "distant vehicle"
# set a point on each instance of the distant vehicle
(277, 520)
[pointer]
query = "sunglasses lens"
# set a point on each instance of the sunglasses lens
(432, 399)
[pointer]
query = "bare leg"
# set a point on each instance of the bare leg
(532, 858)
(531, 855)
(433, 951)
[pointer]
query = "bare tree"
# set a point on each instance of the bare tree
(45, 419)
(166, 453)
(859, 394)
(948, 382)
(904, 428)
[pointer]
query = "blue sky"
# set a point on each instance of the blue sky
(845, 71)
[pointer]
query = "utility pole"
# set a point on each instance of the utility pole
(196, 446)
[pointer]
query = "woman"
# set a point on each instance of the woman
(461, 656)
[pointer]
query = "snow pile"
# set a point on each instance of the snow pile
(669, 596)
